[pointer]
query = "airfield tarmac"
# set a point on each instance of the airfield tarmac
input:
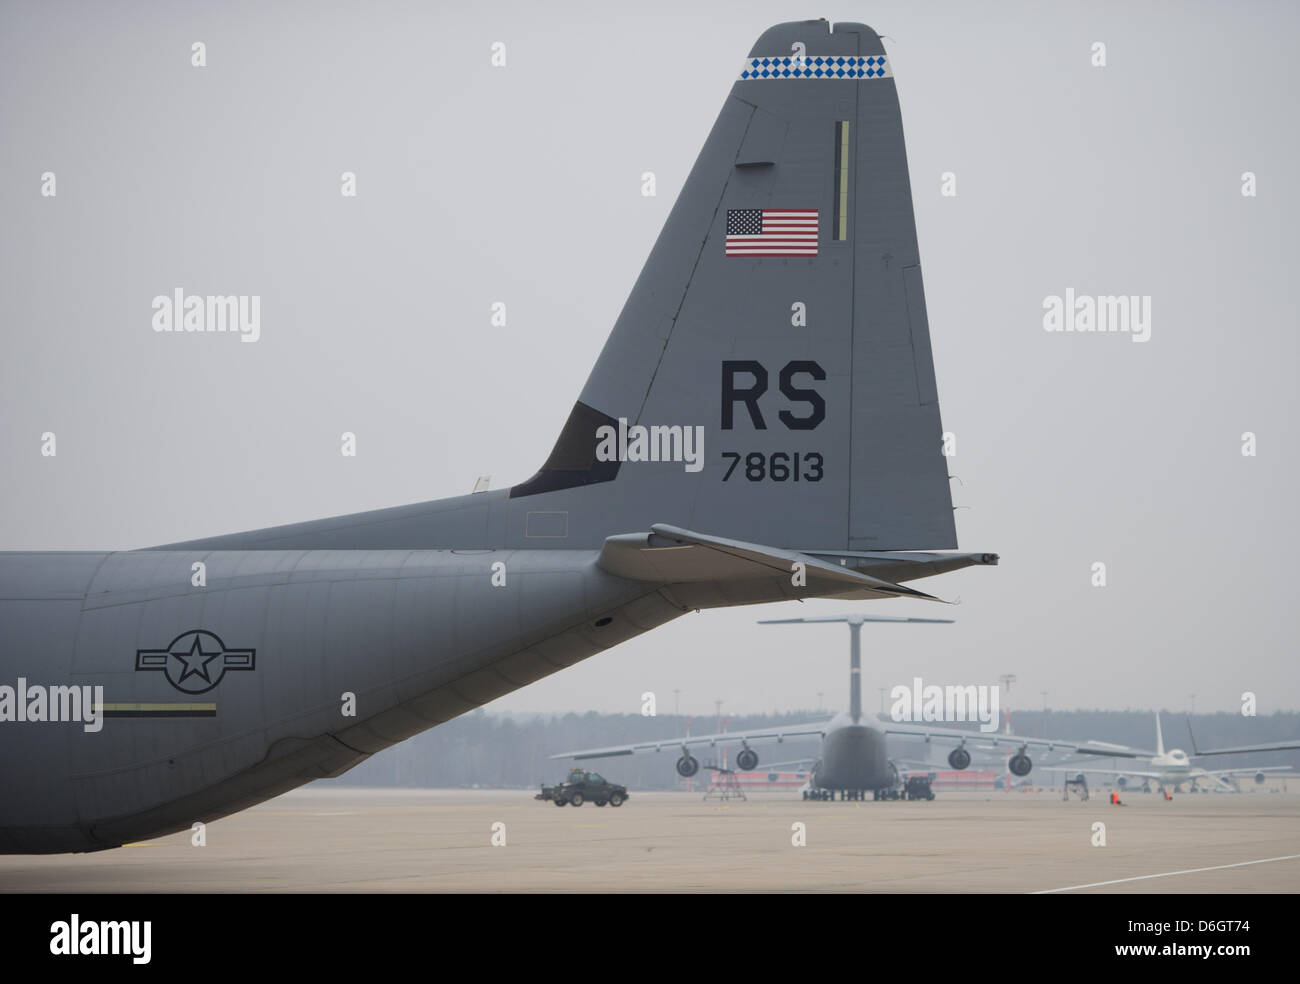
(338, 839)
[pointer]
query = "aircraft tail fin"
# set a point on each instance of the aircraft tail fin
(770, 378)
(1160, 740)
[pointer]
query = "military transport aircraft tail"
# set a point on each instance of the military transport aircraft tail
(781, 321)
(770, 378)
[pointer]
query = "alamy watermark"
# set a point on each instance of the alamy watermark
(230, 313)
(33, 703)
(934, 703)
(1100, 313)
(105, 937)
(654, 443)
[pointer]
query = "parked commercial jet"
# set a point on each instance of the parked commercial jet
(1174, 767)
(762, 424)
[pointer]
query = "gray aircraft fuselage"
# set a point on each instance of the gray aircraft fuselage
(308, 661)
(417, 636)
(854, 756)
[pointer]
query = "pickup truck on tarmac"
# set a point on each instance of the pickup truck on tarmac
(582, 786)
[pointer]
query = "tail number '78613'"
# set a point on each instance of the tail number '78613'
(777, 466)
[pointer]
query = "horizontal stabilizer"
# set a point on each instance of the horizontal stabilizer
(906, 565)
(671, 555)
(853, 619)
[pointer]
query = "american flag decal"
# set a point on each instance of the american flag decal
(771, 232)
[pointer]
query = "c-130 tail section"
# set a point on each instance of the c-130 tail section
(780, 321)
(770, 378)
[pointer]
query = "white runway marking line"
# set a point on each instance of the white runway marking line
(1164, 874)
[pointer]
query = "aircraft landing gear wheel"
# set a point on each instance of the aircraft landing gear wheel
(576, 799)
(615, 799)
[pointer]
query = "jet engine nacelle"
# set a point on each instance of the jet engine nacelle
(1020, 764)
(687, 766)
(747, 760)
(1259, 778)
(1121, 782)
(959, 758)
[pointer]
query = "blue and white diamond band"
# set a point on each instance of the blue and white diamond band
(817, 67)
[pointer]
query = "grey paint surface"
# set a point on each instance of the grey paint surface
(397, 608)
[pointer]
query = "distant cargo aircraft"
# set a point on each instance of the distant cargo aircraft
(854, 759)
(762, 424)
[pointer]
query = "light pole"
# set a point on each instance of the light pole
(1007, 680)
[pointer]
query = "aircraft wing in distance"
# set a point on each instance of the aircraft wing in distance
(994, 739)
(798, 765)
(1279, 746)
(1249, 772)
(1074, 768)
(817, 730)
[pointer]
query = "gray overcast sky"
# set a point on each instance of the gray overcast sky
(522, 184)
